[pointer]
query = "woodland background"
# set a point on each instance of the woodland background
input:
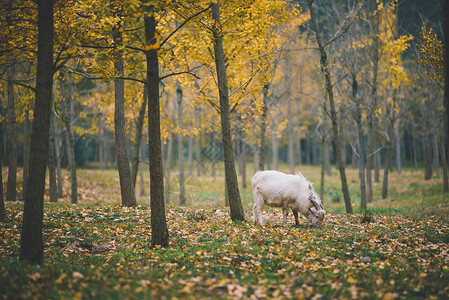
(135, 85)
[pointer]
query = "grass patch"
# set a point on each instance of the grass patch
(98, 250)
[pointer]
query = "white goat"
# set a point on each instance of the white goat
(287, 191)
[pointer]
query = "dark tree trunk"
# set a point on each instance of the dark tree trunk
(263, 128)
(159, 229)
(138, 137)
(70, 115)
(126, 181)
(446, 81)
(333, 114)
(31, 244)
(2, 200)
(182, 196)
(235, 202)
(11, 188)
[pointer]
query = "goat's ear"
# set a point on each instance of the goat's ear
(312, 209)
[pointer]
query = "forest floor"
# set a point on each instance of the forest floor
(96, 249)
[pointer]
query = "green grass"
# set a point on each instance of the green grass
(97, 250)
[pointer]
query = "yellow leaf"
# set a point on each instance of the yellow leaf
(351, 280)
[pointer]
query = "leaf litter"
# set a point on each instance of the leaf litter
(105, 252)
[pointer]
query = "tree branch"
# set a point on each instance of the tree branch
(184, 23)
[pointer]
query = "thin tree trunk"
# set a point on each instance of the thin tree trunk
(53, 189)
(11, 187)
(57, 158)
(71, 142)
(445, 172)
(275, 141)
(126, 180)
(31, 243)
(141, 181)
(436, 154)
(291, 147)
(323, 141)
(190, 154)
(182, 196)
(138, 137)
(360, 138)
(373, 105)
(26, 149)
(428, 160)
(235, 202)
(326, 72)
(2, 199)
(398, 147)
(263, 128)
(198, 143)
(242, 158)
(169, 160)
(388, 159)
(159, 229)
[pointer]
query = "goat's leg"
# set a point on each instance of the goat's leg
(295, 213)
(258, 207)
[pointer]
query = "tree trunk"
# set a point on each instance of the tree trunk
(428, 160)
(436, 156)
(275, 141)
(71, 141)
(31, 243)
(388, 155)
(388, 159)
(53, 189)
(398, 147)
(126, 180)
(57, 158)
(198, 143)
(141, 181)
(235, 202)
(242, 157)
(373, 105)
(291, 146)
(263, 128)
(326, 72)
(26, 149)
(323, 142)
(360, 138)
(182, 196)
(446, 79)
(169, 161)
(159, 229)
(445, 172)
(2, 199)
(11, 188)
(190, 155)
(138, 137)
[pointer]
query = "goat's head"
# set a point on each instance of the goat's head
(316, 212)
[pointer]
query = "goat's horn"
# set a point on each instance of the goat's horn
(315, 203)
